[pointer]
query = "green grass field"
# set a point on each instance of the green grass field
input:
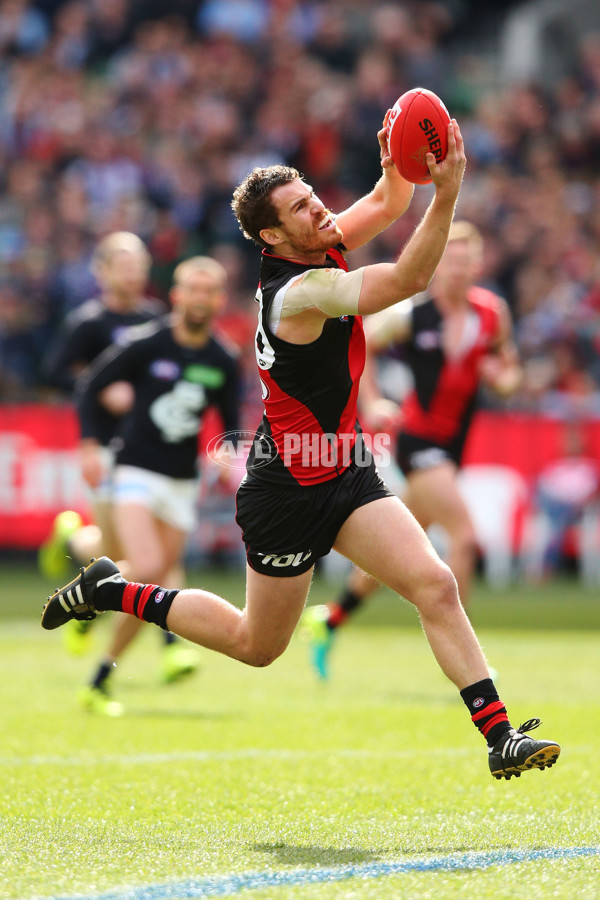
(269, 785)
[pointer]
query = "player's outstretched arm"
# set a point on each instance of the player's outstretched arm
(386, 283)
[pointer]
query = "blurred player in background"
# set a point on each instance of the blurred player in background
(176, 369)
(121, 265)
(456, 337)
(311, 484)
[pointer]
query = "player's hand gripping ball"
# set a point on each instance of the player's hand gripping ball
(418, 124)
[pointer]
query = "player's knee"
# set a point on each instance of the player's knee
(259, 656)
(436, 590)
(260, 660)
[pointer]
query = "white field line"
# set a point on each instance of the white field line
(134, 759)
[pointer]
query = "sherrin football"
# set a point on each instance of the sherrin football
(418, 123)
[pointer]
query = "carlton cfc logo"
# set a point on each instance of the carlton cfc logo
(478, 702)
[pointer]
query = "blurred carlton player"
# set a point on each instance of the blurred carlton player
(177, 370)
(321, 488)
(457, 336)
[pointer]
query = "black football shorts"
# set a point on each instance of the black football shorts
(414, 454)
(287, 529)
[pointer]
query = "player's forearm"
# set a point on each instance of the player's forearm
(386, 284)
(372, 214)
(391, 196)
(422, 254)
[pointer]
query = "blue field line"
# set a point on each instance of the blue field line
(228, 886)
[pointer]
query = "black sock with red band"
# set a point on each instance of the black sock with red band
(488, 713)
(145, 601)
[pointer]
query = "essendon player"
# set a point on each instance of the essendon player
(456, 336)
(310, 355)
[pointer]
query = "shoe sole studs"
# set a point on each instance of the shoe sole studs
(543, 759)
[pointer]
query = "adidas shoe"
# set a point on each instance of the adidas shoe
(76, 599)
(97, 700)
(515, 753)
(315, 629)
(53, 555)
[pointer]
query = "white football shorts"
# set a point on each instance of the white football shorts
(173, 500)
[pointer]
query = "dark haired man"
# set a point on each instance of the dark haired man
(310, 484)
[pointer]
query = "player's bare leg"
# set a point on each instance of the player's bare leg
(385, 540)
(432, 495)
(256, 634)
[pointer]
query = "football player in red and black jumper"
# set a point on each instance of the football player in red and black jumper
(325, 491)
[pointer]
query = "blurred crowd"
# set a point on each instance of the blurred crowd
(143, 116)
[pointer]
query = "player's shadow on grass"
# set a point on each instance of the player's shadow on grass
(289, 854)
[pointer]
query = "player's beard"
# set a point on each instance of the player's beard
(311, 241)
(332, 236)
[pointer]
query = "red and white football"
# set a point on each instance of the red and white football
(418, 124)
